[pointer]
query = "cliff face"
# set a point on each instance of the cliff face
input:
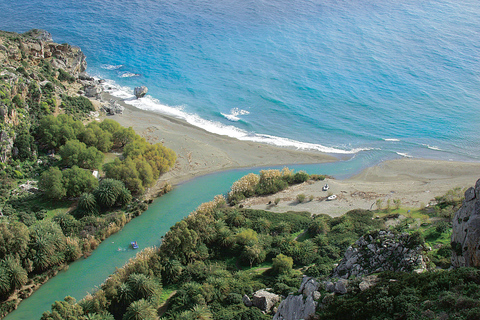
(34, 73)
(466, 230)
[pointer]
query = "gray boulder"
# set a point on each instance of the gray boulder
(92, 90)
(466, 230)
(140, 92)
(113, 107)
(308, 286)
(295, 307)
(265, 300)
(300, 306)
(341, 286)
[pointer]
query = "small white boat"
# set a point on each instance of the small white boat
(325, 187)
(332, 197)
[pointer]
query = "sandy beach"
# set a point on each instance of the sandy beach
(200, 152)
(415, 182)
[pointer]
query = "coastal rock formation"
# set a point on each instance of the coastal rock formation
(300, 306)
(264, 300)
(92, 90)
(113, 107)
(466, 230)
(140, 92)
(381, 251)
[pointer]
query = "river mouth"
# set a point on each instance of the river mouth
(85, 275)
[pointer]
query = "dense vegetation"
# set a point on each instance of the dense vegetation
(453, 294)
(210, 259)
(52, 209)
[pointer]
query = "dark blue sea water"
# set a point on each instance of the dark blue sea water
(391, 78)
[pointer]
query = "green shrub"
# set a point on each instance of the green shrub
(301, 197)
(65, 76)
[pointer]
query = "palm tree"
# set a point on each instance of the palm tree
(87, 203)
(18, 276)
(140, 310)
(124, 294)
(142, 286)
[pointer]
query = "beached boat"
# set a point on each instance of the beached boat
(325, 187)
(134, 244)
(332, 197)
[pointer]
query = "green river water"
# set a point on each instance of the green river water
(84, 275)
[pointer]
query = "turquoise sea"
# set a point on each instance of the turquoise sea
(383, 78)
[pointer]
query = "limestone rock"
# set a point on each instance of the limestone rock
(300, 306)
(265, 300)
(308, 286)
(93, 90)
(140, 92)
(341, 286)
(329, 286)
(113, 107)
(466, 230)
(368, 282)
(296, 307)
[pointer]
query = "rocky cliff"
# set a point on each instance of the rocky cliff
(466, 230)
(35, 73)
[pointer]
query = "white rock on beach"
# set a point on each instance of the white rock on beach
(140, 92)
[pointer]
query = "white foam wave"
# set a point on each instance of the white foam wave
(405, 155)
(151, 104)
(391, 139)
(111, 66)
(129, 75)
(433, 147)
(234, 114)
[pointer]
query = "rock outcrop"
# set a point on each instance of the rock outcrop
(301, 306)
(140, 92)
(381, 251)
(264, 300)
(113, 107)
(466, 230)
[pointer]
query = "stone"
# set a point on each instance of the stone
(93, 90)
(329, 286)
(246, 301)
(308, 286)
(316, 295)
(113, 107)
(295, 307)
(265, 300)
(466, 230)
(140, 92)
(368, 282)
(341, 286)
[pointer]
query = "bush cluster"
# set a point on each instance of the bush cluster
(267, 182)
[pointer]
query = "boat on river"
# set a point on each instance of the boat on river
(134, 244)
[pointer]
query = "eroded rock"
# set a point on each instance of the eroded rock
(466, 230)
